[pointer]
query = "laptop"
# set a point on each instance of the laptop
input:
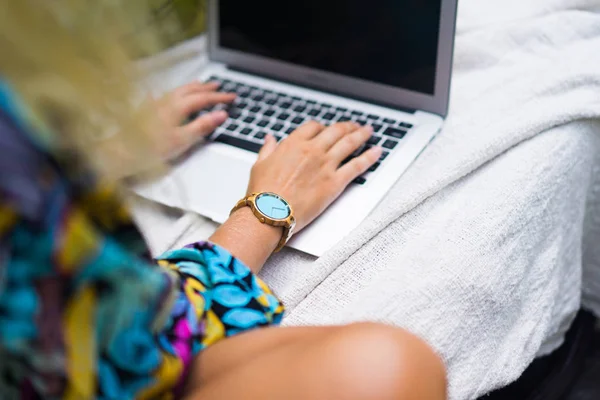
(385, 63)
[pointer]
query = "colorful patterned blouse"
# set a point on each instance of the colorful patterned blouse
(84, 312)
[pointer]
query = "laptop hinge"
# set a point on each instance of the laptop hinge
(392, 106)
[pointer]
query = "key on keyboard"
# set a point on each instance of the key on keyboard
(389, 144)
(395, 133)
(373, 140)
(237, 142)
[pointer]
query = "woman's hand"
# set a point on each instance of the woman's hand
(173, 132)
(175, 109)
(305, 168)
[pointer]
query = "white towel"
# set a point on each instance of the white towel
(480, 246)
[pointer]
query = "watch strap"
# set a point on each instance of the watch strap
(285, 236)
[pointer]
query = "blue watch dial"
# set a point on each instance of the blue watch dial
(272, 206)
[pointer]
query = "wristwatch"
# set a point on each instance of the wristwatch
(271, 209)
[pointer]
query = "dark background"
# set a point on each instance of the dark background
(587, 386)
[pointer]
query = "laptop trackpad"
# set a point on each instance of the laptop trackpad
(214, 179)
(208, 182)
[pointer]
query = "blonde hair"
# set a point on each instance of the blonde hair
(70, 62)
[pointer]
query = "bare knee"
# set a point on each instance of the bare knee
(375, 361)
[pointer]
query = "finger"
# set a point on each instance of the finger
(349, 143)
(334, 133)
(359, 165)
(196, 87)
(193, 103)
(205, 87)
(209, 85)
(308, 130)
(202, 126)
(268, 148)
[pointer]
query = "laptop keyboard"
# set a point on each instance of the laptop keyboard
(257, 112)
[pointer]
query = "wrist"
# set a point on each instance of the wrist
(259, 232)
(246, 238)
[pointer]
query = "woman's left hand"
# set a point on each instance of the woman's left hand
(175, 109)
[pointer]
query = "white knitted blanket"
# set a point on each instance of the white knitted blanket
(481, 245)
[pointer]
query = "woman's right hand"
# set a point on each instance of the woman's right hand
(305, 168)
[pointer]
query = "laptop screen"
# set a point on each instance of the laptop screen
(392, 42)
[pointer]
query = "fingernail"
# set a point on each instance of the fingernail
(219, 117)
(369, 128)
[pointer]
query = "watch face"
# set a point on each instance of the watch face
(272, 206)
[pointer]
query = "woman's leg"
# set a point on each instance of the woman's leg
(235, 351)
(360, 361)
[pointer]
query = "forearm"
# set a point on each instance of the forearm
(247, 239)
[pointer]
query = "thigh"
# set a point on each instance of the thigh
(272, 374)
(238, 350)
(360, 361)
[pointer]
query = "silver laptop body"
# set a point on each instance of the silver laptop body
(388, 65)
